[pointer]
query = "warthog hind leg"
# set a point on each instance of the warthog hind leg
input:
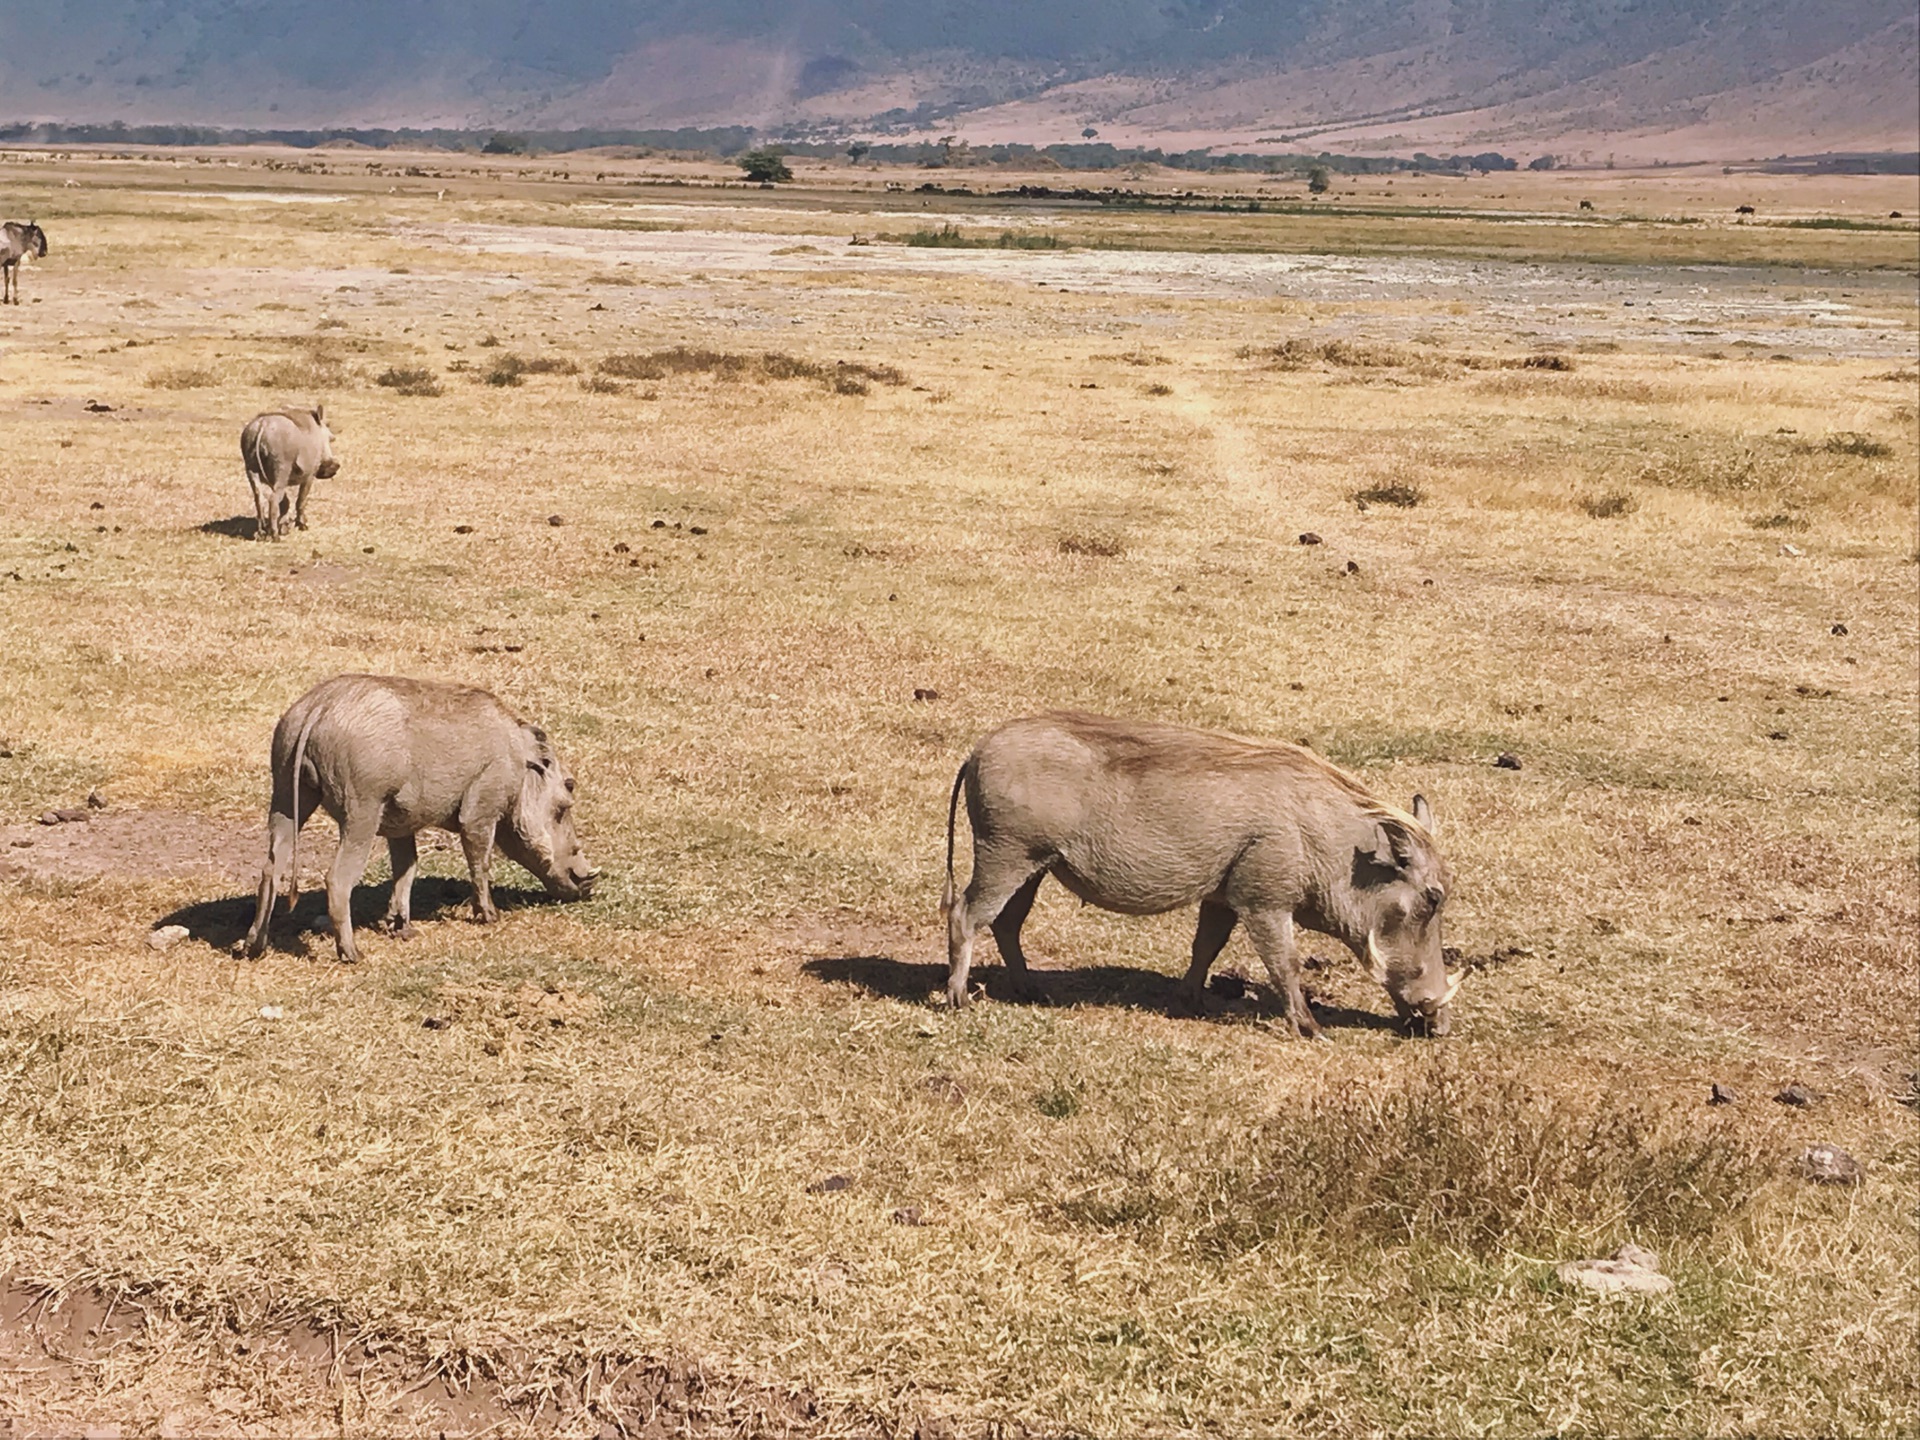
(404, 851)
(997, 880)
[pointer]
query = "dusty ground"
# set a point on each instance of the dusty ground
(1662, 552)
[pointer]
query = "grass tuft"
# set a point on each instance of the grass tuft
(183, 377)
(1610, 506)
(1397, 493)
(414, 381)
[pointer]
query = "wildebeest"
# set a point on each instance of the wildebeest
(17, 243)
(391, 757)
(283, 448)
(1142, 819)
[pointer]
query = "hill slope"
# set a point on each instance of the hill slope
(1737, 77)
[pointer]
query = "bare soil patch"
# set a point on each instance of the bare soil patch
(133, 845)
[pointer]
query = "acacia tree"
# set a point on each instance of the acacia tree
(1319, 181)
(764, 166)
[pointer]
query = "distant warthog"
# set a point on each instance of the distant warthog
(392, 757)
(1148, 818)
(282, 448)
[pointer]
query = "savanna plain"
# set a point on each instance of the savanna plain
(767, 514)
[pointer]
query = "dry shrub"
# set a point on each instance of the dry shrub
(1473, 1161)
(183, 377)
(1735, 470)
(1397, 493)
(843, 377)
(1611, 506)
(409, 381)
(1850, 442)
(1100, 545)
(331, 323)
(1782, 520)
(1543, 362)
(318, 372)
(1298, 354)
(1159, 389)
(601, 385)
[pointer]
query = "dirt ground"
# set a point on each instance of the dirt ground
(1613, 557)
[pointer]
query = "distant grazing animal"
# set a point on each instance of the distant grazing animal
(1586, 204)
(391, 757)
(18, 243)
(285, 448)
(1143, 819)
(1743, 209)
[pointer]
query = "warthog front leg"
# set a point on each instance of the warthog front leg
(1272, 935)
(358, 831)
(477, 841)
(300, 502)
(404, 851)
(1002, 885)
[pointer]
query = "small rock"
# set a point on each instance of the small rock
(70, 816)
(1796, 1095)
(272, 1012)
(1830, 1165)
(95, 800)
(96, 505)
(830, 1185)
(1838, 630)
(659, 525)
(1722, 1095)
(922, 693)
(1353, 567)
(556, 519)
(436, 1022)
(1630, 1270)
(908, 1215)
(696, 529)
(1787, 549)
(167, 936)
(1507, 761)
(1309, 538)
(22, 844)
(463, 529)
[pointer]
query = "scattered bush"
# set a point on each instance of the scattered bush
(1610, 506)
(843, 377)
(511, 369)
(183, 377)
(1546, 362)
(764, 166)
(1159, 389)
(409, 381)
(1780, 521)
(316, 373)
(1105, 547)
(1298, 354)
(601, 385)
(951, 237)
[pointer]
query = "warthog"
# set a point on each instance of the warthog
(283, 448)
(1143, 819)
(392, 757)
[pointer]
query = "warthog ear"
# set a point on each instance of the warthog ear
(1395, 850)
(1423, 813)
(320, 412)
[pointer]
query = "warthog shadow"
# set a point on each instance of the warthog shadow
(1123, 987)
(224, 923)
(240, 527)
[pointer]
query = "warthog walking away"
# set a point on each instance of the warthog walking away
(1144, 819)
(392, 757)
(283, 448)
(18, 243)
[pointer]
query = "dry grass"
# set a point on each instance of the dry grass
(1133, 1221)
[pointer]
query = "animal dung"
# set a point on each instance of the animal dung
(463, 529)
(1838, 630)
(622, 548)
(1353, 567)
(1796, 1095)
(923, 693)
(1722, 1095)
(831, 1185)
(659, 525)
(166, 936)
(1630, 1270)
(556, 519)
(436, 1022)
(1309, 538)
(1507, 761)
(696, 529)
(1826, 1164)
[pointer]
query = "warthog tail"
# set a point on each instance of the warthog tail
(299, 763)
(953, 810)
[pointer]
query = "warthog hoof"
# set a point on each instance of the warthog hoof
(400, 929)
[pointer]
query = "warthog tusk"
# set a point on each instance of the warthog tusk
(1453, 988)
(1376, 960)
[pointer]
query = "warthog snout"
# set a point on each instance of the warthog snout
(328, 469)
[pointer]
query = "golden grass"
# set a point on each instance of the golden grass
(1135, 1223)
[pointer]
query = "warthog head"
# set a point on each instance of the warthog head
(1406, 885)
(329, 467)
(539, 832)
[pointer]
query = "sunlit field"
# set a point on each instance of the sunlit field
(767, 505)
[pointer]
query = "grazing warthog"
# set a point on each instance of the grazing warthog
(282, 448)
(1148, 818)
(18, 243)
(392, 757)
